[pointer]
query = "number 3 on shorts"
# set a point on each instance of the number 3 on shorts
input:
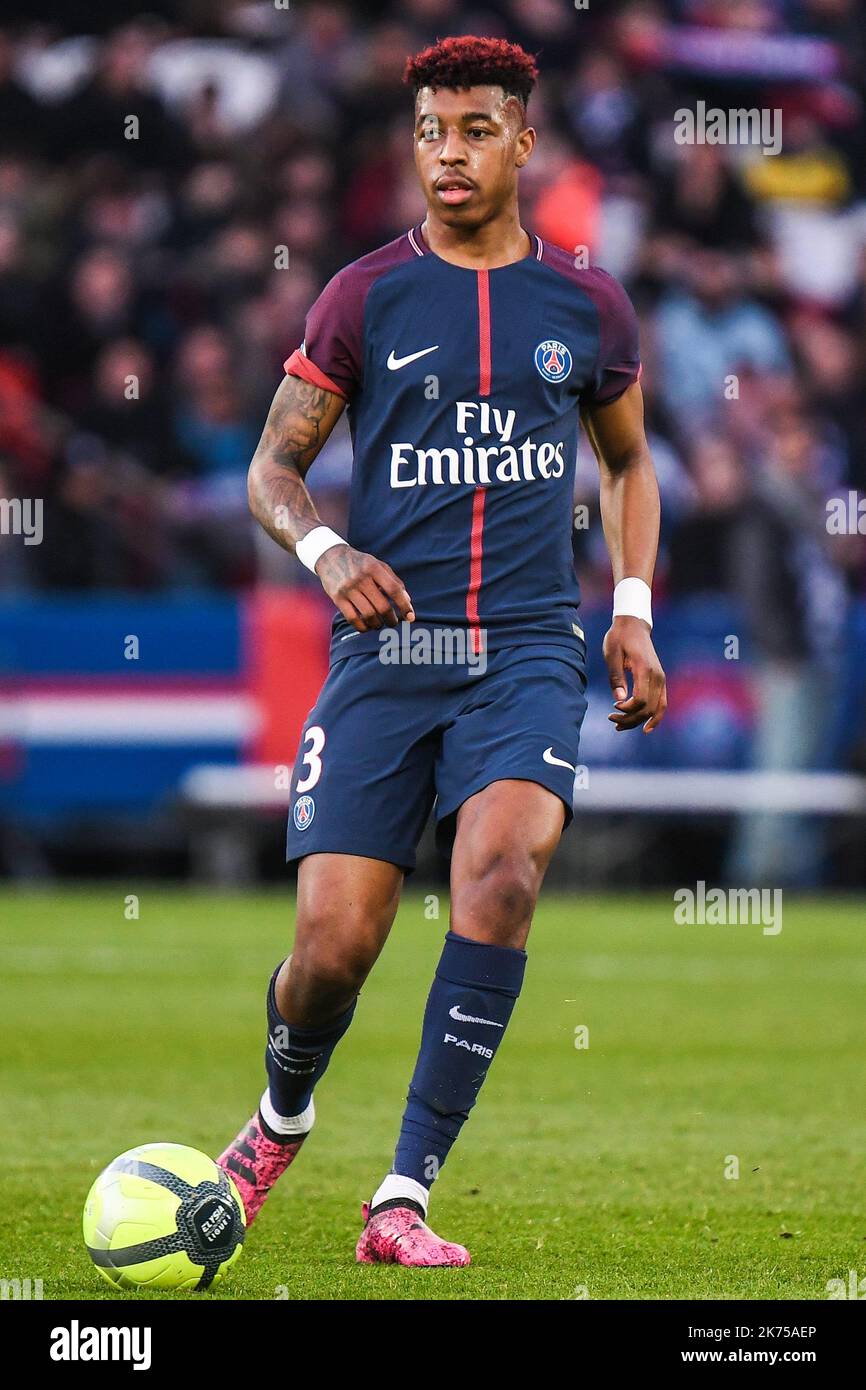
(312, 759)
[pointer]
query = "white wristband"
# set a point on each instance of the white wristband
(632, 598)
(311, 547)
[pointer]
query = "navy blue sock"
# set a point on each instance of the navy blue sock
(468, 1009)
(297, 1058)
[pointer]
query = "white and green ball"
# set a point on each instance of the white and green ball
(164, 1216)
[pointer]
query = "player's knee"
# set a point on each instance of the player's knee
(496, 904)
(331, 967)
(330, 964)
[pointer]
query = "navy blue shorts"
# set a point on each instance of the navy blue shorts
(384, 742)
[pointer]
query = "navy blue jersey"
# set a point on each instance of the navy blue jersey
(463, 390)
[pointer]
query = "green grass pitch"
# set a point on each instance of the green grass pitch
(583, 1172)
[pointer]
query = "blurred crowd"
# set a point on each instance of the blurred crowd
(177, 187)
(175, 191)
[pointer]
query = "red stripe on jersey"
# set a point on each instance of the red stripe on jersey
(484, 369)
(476, 541)
(475, 552)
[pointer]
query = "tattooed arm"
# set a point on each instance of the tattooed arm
(366, 591)
(299, 422)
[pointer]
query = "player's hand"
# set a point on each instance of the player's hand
(367, 591)
(628, 648)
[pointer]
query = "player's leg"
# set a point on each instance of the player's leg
(506, 838)
(362, 787)
(506, 835)
(506, 773)
(346, 906)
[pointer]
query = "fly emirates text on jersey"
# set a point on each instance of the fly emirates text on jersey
(478, 464)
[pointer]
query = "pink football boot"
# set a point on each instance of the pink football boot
(398, 1236)
(255, 1162)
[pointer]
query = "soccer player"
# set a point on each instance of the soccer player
(463, 351)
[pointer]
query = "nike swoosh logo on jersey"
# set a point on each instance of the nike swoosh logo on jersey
(395, 363)
(556, 762)
(467, 1018)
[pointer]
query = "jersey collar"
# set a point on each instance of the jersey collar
(420, 247)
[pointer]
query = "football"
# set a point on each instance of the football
(163, 1216)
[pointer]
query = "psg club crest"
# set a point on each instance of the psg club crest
(553, 360)
(305, 809)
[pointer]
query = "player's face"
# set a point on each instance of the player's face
(469, 146)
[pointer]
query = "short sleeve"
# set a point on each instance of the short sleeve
(618, 365)
(330, 355)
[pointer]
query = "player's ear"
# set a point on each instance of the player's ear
(524, 146)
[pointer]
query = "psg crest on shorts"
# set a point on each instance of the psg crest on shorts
(305, 809)
(553, 360)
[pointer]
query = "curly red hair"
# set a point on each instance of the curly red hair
(474, 62)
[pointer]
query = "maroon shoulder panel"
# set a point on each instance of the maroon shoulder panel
(332, 353)
(618, 365)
